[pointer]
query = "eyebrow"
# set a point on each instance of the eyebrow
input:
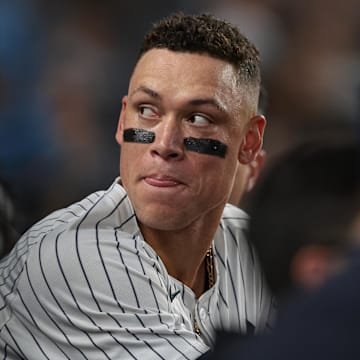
(208, 101)
(194, 102)
(147, 91)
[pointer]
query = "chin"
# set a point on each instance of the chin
(162, 220)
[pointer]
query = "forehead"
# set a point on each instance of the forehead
(186, 74)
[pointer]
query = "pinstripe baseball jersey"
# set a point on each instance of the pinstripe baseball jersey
(83, 284)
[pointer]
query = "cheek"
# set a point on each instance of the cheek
(129, 157)
(215, 174)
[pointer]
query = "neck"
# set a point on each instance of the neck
(183, 252)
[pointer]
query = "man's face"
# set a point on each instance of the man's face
(177, 96)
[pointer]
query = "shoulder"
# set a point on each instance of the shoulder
(234, 216)
(105, 209)
(86, 230)
(234, 223)
(232, 236)
(74, 234)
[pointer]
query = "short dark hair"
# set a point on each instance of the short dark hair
(206, 34)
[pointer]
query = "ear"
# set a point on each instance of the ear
(311, 266)
(253, 139)
(120, 128)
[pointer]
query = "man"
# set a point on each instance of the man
(305, 226)
(151, 267)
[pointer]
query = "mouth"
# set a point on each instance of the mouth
(162, 181)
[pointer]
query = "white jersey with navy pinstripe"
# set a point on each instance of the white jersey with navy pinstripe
(83, 284)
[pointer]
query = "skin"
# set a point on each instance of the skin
(246, 177)
(179, 195)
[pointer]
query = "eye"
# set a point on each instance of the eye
(147, 111)
(199, 120)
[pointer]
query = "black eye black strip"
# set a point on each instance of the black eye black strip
(206, 146)
(202, 146)
(138, 136)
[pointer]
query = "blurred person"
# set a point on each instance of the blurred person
(309, 195)
(319, 65)
(8, 234)
(152, 266)
(305, 227)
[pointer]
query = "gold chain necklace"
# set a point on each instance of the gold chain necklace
(210, 278)
(210, 268)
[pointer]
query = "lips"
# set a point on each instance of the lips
(161, 181)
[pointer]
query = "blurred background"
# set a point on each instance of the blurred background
(64, 67)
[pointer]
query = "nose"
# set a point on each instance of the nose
(168, 142)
